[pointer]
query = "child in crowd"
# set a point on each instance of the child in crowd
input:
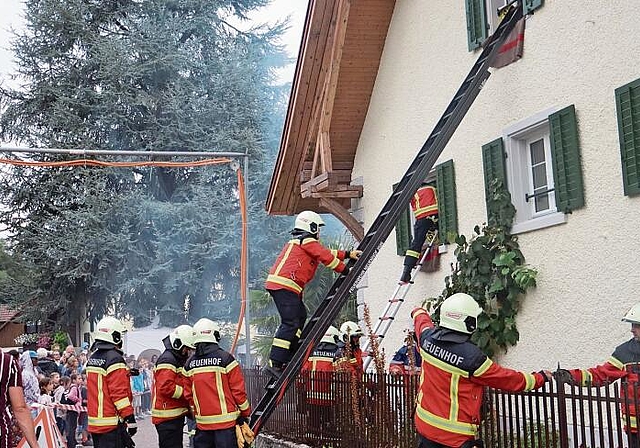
(46, 388)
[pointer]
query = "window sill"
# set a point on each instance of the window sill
(549, 220)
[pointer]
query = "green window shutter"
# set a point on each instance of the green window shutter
(403, 230)
(528, 6)
(447, 206)
(565, 155)
(477, 25)
(628, 107)
(493, 164)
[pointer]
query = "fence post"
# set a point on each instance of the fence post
(563, 426)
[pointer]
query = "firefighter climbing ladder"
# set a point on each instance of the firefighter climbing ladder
(386, 220)
(395, 302)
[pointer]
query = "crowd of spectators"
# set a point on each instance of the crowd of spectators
(54, 377)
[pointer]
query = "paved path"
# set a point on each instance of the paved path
(147, 437)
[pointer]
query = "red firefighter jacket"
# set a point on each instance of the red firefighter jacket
(214, 388)
(317, 375)
(168, 401)
(297, 263)
(353, 364)
(454, 373)
(623, 363)
(425, 202)
(108, 388)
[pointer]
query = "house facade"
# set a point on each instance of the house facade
(561, 127)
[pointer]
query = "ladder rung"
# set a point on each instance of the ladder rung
(396, 300)
(386, 318)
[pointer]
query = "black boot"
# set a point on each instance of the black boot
(406, 274)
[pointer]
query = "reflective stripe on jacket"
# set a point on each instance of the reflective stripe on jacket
(317, 375)
(454, 373)
(214, 388)
(108, 388)
(297, 263)
(353, 364)
(168, 401)
(425, 202)
(623, 363)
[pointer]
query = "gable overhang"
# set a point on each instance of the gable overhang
(340, 53)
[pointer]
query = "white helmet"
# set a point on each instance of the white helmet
(181, 337)
(206, 330)
(308, 221)
(349, 329)
(109, 329)
(460, 312)
(633, 315)
(331, 335)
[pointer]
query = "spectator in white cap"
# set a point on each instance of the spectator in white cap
(46, 365)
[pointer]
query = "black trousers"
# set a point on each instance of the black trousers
(222, 438)
(420, 230)
(293, 315)
(71, 423)
(423, 442)
(109, 439)
(170, 433)
(633, 440)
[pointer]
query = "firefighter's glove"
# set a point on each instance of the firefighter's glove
(247, 433)
(241, 421)
(354, 254)
(132, 426)
(563, 376)
(239, 437)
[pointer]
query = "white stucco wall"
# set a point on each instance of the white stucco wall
(576, 52)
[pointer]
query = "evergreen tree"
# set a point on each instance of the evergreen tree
(157, 75)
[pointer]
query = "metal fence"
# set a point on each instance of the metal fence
(377, 411)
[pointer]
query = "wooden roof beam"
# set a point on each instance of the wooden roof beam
(343, 215)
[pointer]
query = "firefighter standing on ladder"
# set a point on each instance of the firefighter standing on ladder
(169, 406)
(111, 419)
(294, 268)
(454, 374)
(424, 205)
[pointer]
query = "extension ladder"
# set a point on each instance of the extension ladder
(339, 292)
(395, 302)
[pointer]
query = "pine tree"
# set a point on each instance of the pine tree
(157, 75)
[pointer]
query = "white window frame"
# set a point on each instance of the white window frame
(519, 177)
(491, 6)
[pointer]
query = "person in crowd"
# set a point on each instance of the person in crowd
(55, 355)
(61, 414)
(405, 362)
(147, 379)
(12, 403)
(46, 390)
(72, 397)
(454, 374)
(109, 391)
(623, 363)
(137, 388)
(71, 366)
(82, 361)
(29, 378)
(424, 205)
(293, 269)
(46, 364)
(215, 389)
(317, 377)
(349, 355)
(83, 419)
(170, 407)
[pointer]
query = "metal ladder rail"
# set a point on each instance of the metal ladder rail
(393, 305)
(384, 223)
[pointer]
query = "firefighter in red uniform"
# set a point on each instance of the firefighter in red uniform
(623, 363)
(111, 419)
(317, 376)
(169, 406)
(294, 268)
(424, 205)
(215, 390)
(349, 354)
(454, 373)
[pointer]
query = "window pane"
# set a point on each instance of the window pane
(537, 152)
(542, 203)
(540, 176)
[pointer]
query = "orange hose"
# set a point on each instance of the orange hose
(99, 163)
(243, 262)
